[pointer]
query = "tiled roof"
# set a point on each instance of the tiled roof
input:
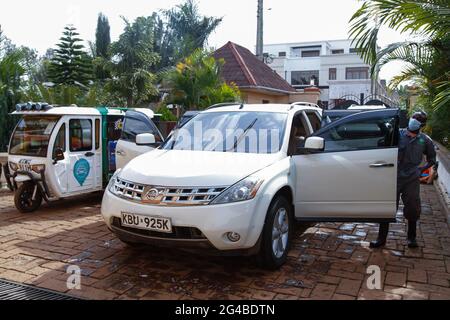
(247, 71)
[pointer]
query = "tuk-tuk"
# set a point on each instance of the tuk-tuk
(59, 152)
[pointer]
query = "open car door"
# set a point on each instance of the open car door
(354, 177)
(135, 123)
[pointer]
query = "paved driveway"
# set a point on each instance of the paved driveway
(327, 261)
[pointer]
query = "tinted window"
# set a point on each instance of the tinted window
(60, 141)
(305, 77)
(97, 134)
(80, 135)
(361, 134)
(132, 127)
(315, 120)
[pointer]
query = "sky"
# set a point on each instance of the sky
(39, 24)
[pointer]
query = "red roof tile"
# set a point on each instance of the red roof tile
(246, 70)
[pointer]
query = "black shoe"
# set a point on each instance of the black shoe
(377, 244)
(412, 244)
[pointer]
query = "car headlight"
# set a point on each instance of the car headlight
(243, 190)
(13, 166)
(38, 167)
(113, 180)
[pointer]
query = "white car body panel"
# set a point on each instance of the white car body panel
(194, 168)
(342, 184)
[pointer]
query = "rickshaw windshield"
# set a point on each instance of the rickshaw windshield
(32, 135)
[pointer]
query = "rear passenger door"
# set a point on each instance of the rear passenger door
(135, 123)
(354, 177)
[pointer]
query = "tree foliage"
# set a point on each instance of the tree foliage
(12, 69)
(132, 58)
(427, 61)
(70, 64)
(180, 31)
(196, 82)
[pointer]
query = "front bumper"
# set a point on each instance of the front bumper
(211, 221)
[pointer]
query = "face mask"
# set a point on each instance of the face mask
(414, 125)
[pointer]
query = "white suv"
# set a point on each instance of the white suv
(236, 177)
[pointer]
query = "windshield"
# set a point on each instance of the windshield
(32, 136)
(238, 131)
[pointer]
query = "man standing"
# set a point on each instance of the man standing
(413, 145)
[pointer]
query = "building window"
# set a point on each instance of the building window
(332, 74)
(337, 51)
(356, 73)
(354, 50)
(310, 53)
(80, 133)
(282, 54)
(265, 101)
(305, 78)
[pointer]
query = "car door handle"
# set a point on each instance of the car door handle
(121, 153)
(89, 154)
(381, 165)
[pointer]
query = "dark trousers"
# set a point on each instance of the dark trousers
(409, 191)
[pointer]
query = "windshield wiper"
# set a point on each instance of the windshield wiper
(242, 135)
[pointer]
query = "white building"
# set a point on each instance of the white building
(334, 66)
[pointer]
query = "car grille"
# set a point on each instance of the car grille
(168, 196)
(178, 233)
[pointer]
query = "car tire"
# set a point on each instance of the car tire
(276, 234)
(23, 198)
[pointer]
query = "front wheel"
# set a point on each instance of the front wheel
(27, 197)
(276, 234)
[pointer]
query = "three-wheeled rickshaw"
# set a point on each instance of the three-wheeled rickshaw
(60, 152)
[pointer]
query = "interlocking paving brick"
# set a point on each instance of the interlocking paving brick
(327, 260)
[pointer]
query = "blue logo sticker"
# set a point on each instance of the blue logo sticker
(81, 170)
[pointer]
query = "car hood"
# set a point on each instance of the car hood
(183, 168)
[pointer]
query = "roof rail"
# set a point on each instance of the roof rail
(306, 104)
(225, 104)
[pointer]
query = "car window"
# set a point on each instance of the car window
(80, 134)
(60, 141)
(314, 119)
(299, 132)
(97, 134)
(361, 135)
(133, 127)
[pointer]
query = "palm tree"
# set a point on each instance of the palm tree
(180, 31)
(427, 59)
(196, 82)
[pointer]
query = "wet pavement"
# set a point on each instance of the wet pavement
(327, 260)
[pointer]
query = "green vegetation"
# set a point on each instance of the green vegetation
(127, 72)
(427, 60)
(70, 65)
(196, 82)
(132, 60)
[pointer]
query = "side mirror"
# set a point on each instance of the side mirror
(58, 155)
(145, 139)
(315, 144)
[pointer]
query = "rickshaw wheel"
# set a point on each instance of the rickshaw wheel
(23, 198)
